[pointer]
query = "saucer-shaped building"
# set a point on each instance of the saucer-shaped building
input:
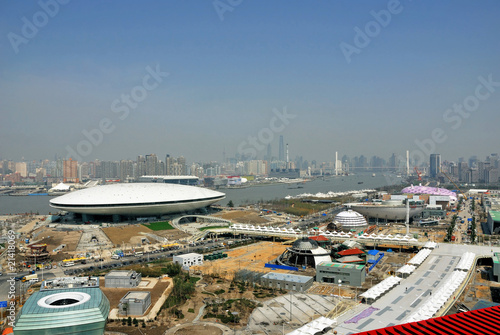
(136, 199)
(304, 252)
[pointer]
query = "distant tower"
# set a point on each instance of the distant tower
(281, 150)
(435, 165)
(336, 163)
(287, 160)
(407, 162)
(268, 158)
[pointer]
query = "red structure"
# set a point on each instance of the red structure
(479, 322)
(38, 254)
(350, 252)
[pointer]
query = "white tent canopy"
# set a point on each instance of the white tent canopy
(437, 300)
(466, 261)
(379, 289)
(420, 257)
(430, 245)
(60, 187)
(406, 269)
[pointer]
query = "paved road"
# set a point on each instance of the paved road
(407, 297)
(20, 287)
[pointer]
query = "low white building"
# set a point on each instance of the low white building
(188, 260)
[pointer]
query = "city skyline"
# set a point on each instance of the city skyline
(115, 81)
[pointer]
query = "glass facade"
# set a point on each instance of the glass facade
(86, 318)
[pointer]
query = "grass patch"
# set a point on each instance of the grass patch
(215, 227)
(164, 225)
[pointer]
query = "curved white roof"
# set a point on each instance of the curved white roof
(150, 198)
(134, 193)
(350, 218)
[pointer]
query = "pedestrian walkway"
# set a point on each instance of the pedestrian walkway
(411, 294)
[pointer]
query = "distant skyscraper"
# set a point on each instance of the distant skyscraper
(151, 165)
(268, 156)
(281, 150)
(434, 165)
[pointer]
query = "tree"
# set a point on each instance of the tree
(230, 203)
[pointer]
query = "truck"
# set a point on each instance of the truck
(115, 256)
(33, 277)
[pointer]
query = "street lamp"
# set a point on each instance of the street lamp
(337, 305)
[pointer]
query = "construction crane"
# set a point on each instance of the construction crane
(419, 174)
(458, 189)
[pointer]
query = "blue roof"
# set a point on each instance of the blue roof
(373, 252)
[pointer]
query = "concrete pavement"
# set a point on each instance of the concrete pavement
(412, 293)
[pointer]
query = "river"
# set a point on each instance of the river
(40, 204)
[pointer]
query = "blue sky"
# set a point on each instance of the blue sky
(226, 77)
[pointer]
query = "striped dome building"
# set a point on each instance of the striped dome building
(349, 219)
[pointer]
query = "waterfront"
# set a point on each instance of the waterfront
(334, 184)
(239, 196)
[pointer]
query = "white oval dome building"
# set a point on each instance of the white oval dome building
(350, 219)
(136, 199)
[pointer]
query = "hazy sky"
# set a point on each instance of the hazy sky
(357, 77)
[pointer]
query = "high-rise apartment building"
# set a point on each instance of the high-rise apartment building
(70, 171)
(175, 166)
(434, 165)
(22, 169)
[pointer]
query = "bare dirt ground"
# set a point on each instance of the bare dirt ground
(54, 238)
(115, 294)
(116, 328)
(172, 234)
(479, 288)
(242, 216)
(251, 257)
(199, 330)
(31, 225)
(123, 234)
(330, 289)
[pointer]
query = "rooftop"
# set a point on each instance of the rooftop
(78, 310)
(287, 277)
(190, 255)
(495, 215)
(134, 193)
(120, 274)
(136, 295)
(341, 265)
(69, 283)
(349, 252)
